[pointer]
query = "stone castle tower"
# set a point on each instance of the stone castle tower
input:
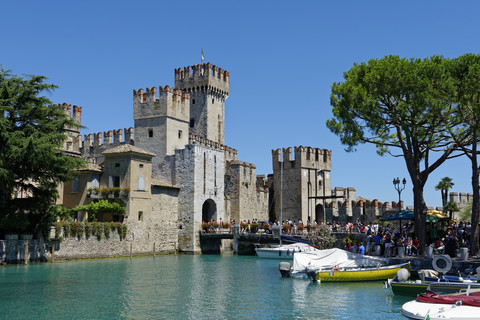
(207, 86)
(72, 144)
(306, 174)
(161, 124)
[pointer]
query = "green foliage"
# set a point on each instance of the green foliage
(32, 130)
(122, 230)
(403, 107)
(95, 208)
(58, 229)
(99, 229)
(80, 229)
(451, 207)
(444, 185)
(88, 230)
(106, 230)
(14, 223)
(322, 237)
(466, 214)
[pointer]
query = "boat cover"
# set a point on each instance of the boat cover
(331, 258)
(431, 297)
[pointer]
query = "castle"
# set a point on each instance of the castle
(173, 169)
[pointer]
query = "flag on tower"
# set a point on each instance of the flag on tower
(203, 57)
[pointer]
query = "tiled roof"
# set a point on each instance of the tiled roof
(126, 148)
(160, 183)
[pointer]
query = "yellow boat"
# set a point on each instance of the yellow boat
(361, 274)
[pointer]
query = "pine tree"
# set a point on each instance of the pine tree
(32, 131)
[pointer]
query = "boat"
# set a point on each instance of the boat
(333, 258)
(431, 280)
(284, 252)
(359, 274)
(414, 288)
(430, 305)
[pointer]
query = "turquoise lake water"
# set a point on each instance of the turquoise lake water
(183, 287)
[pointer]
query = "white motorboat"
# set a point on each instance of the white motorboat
(435, 311)
(429, 305)
(284, 252)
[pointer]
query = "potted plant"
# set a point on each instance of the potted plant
(205, 226)
(126, 191)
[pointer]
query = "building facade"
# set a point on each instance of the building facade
(172, 169)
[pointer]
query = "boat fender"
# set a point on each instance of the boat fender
(288, 252)
(442, 263)
(402, 275)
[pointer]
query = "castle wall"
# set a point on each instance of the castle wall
(462, 200)
(200, 171)
(94, 144)
(306, 174)
(263, 194)
(246, 202)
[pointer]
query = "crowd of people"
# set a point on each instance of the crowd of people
(386, 240)
(380, 240)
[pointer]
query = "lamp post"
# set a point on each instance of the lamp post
(399, 188)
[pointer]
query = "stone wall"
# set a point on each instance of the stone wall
(306, 174)
(200, 171)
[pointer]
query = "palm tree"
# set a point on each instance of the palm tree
(444, 185)
(451, 207)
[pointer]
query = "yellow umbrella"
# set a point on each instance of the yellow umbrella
(436, 216)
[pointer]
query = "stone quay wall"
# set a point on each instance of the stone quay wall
(137, 242)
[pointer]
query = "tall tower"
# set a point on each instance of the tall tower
(161, 122)
(304, 181)
(208, 88)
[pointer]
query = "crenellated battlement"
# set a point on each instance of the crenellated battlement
(195, 139)
(203, 77)
(242, 164)
(170, 102)
(303, 157)
(111, 137)
(261, 183)
(74, 113)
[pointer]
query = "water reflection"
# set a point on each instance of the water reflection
(183, 287)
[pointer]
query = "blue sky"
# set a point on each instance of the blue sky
(283, 57)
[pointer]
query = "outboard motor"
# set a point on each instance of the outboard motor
(311, 274)
(285, 269)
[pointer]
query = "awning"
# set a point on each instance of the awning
(432, 216)
(402, 215)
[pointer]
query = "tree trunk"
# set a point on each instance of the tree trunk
(444, 199)
(476, 200)
(420, 214)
